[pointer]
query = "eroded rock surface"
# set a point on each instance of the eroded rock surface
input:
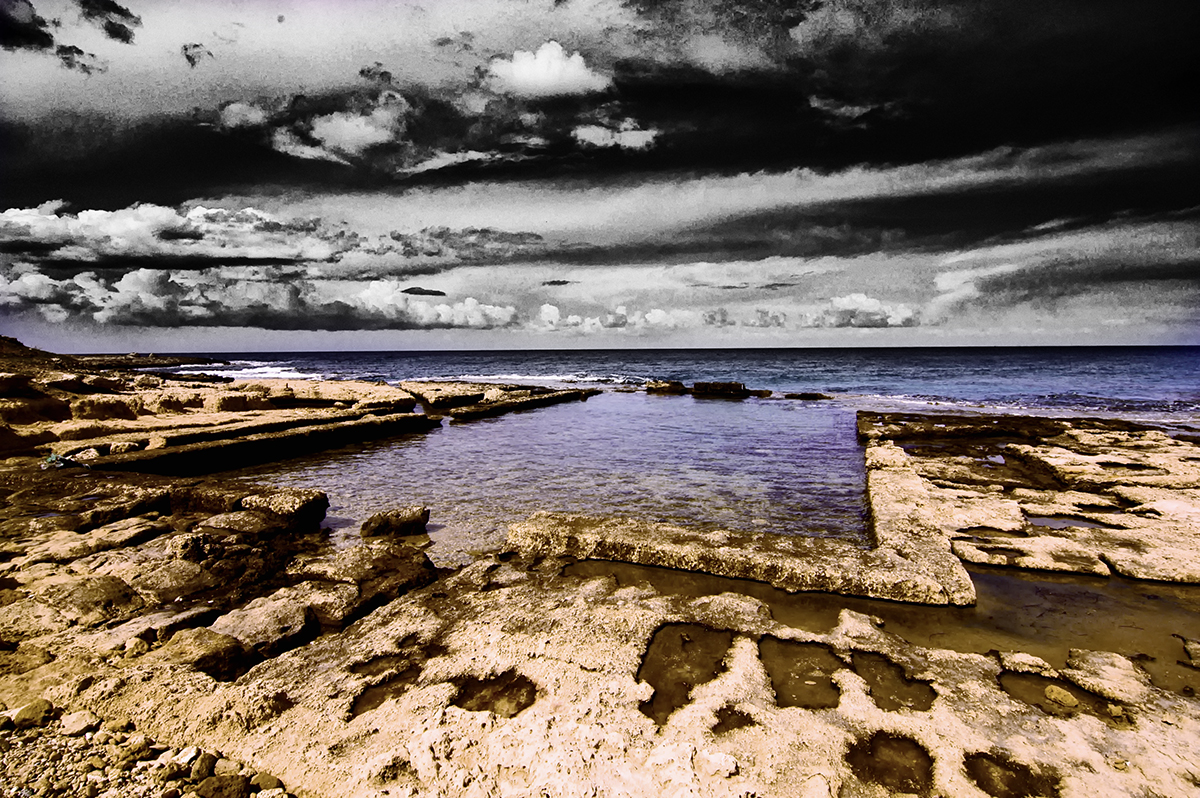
(1094, 496)
(508, 677)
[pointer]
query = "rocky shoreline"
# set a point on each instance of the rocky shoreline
(168, 634)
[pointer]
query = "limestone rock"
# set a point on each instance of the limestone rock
(269, 625)
(70, 546)
(76, 724)
(911, 563)
(102, 408)
(333, 602)
(1060, 696)
(11, 383)
(1108, 674)
(243, 521)
(265, 781)
(1020, 662)
(296, 507)
(12, 442)
(727, 390)
(90, 600)
(220, 656)
(409, 520)
(666, 386)
(165, 580)
(38, 712)
(381, 569)
(28, 618)
(229, 786)
(227, 402)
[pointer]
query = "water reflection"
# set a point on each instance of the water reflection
(789, 467)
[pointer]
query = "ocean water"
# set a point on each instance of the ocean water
(786, 466)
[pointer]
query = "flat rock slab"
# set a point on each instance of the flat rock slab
(447, 394)
(790, 562)
(1090, 496)
(507, 404)
(215, 455)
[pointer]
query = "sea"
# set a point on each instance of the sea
(774, 464)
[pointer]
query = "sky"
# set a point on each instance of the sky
(241, 175)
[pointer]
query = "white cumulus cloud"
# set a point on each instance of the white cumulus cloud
(860, 310)
(627, 136)
(550, 72)
(237, 115)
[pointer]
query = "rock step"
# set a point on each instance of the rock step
(183, 434)
(218, 454)
(503, 406)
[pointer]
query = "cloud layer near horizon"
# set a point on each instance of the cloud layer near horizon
(160, 267)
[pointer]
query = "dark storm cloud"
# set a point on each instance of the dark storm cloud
(115, 20)
(1060, 263)
(1048, 283)
(22, 28)
(823, 85)
(1004, 69)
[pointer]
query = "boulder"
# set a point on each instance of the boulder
(270, 625)
(79, 723)
(101, 383)
(202, 768)
(247, 522)
(165, 580)
(410, 520)
(220, 656)
(381, 569)
(38, 712)
(725, 390)
(91, 600)
(227, 786)
(666, 386)
(297, 507)
(193, 547)
(265, 781)
(13, 383)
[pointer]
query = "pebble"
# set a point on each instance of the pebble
(1060, 696)
(46, 760)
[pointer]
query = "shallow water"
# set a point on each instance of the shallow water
(1041, 614)
(758, 465)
